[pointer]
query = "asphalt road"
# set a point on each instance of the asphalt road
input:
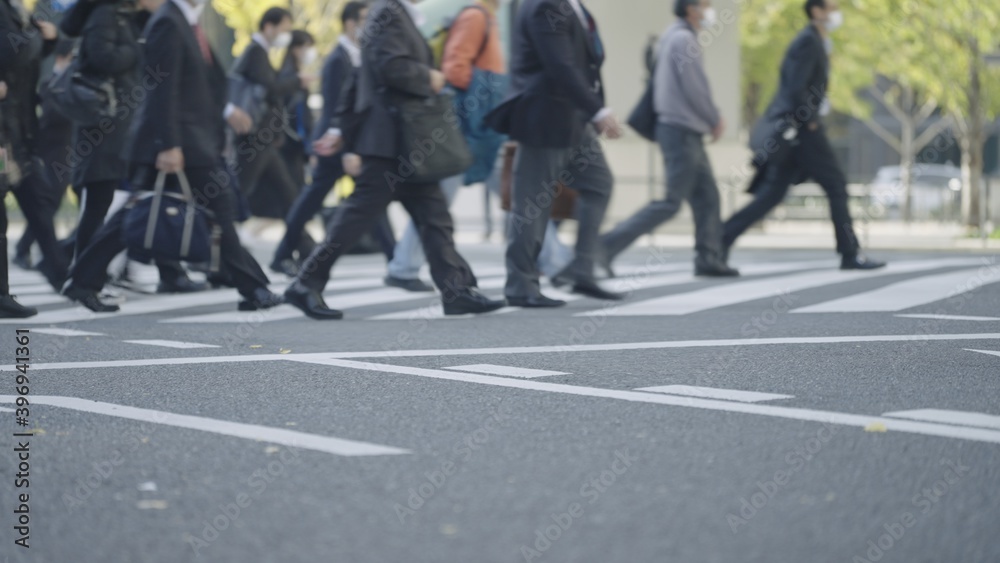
(597, 433)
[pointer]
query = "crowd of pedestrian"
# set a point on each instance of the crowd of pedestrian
(167, 150)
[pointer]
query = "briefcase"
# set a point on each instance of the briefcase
(563, 205)
(431, 147)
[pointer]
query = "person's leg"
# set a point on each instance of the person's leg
(705, 207)
(386, 237)
(277, 179)
(428, 208)
(42, 225)
(682, 152)
(4, 274)
(90, 269)
(242, 268)
(776, 178)
(555, 255)
(308, 204)
(97, 198)
(594, 181)
(408, 257)
(536, 181)
(820, 162)
(356, 215)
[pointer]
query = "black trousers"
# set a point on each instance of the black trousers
(359, 213)
(88, 271)
(812, 158)
(30, 198)
(96, 198)
(328, 170)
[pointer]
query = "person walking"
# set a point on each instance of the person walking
(109, 50)
(172, 134)
(397, 67)
(555, 111)
(26, 41)
(296, 149)
(686, 114)
(790, 144)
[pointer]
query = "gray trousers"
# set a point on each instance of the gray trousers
(538, 172)
(690, 178)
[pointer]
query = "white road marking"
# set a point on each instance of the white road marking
(904, 295)
(578, 348)
(41, 299)
(158, 304)
(960, 418)
(830, 417)
(949, 317)
(509, 371)
(990, 352)
(172, 344)
(714, 393)
(65, 332)
(6, 410)
(290, 438)
(434, 310)
(743, 291)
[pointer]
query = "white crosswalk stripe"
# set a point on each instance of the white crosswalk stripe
(905, 294)
(751, 290)
(358, 287)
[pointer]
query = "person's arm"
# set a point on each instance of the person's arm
(465, 42)
(104, 54)
(335, 75)
(395, 65)
(9, 46)
(163, 50)
(684, 51)
(550, 31)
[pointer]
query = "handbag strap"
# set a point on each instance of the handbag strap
(154, 213)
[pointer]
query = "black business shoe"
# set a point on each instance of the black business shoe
(470, 301)
(262, 298)
(311, 303)
(182, 284)
(219, 280)
(535, 302)
(592, 290)
(11, 309)
(855, 262)
(714, 269)
(286, 266)
(415, 285)
(23, 261)
(89, 299)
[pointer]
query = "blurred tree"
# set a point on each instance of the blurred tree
(321, 18)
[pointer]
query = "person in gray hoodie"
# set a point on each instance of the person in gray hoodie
(686, 114)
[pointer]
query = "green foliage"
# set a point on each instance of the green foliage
(321, 18)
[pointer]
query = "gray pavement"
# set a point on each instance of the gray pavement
(596, 433)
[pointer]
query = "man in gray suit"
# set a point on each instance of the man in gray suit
(555, 111)
(686, 113)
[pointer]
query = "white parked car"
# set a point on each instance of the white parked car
(936, 192)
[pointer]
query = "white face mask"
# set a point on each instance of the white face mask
(284, 39)
(708, 17)
(310, 56)
(834, 21)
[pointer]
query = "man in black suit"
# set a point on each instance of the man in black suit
(397, 65)
(336, 71)
(790, 144)
(264, 176)
(555, 111)
(179, 128)
(25, 42)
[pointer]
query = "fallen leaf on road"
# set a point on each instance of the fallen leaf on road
(876, 427)
(284, 351)
(151, 505)
(255, 346)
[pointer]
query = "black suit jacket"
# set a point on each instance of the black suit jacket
(185, 109)
(396, 67)
(21, 53)
(555, 77)
(805, 73)
(337, 70)
(255, 66)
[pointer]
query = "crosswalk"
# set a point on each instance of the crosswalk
(667, 290)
